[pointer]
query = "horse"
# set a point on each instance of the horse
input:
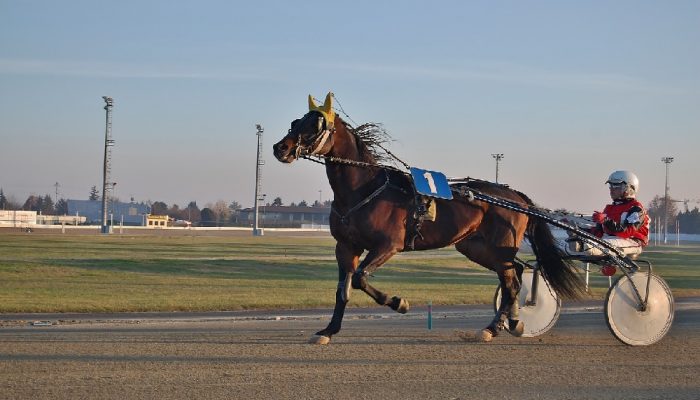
(375, 210)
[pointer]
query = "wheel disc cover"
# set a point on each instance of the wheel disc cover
(540, 318)
(627, 322)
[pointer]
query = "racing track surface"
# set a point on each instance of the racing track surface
(377, 356)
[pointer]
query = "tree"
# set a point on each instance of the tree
(656, 208)
(159, 208)
(208, 217)
(10, 203)
(47, 206)
(33, 203)
(193, 213)
(61, 207)
(3, 200)
(277, 201)
(175, 212)
(94, 193)
(234, 209)
(303, 203)
(689, 221)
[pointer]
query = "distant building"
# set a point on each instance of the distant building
(25, 219)
(17, 219)
(163, 221)
(118, 212)
(157, 221)
(286, 217)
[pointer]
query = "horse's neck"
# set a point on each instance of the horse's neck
(346, 179)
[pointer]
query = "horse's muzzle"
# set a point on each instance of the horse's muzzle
(283, 152)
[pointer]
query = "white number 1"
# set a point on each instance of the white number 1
(431, 182)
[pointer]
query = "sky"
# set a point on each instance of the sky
(567, 91)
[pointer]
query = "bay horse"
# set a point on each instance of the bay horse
(374, 209)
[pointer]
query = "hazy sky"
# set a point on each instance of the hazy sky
(568, 91)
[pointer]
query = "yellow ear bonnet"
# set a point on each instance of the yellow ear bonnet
(326, 109)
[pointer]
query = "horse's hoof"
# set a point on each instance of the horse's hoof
(403, 307)
(516, 327)
(399, 305)
(320, 339)
(485, 335)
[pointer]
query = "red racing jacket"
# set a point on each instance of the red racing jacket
(626, 219)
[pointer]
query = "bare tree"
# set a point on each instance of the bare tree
(234, 206)
(222, 212)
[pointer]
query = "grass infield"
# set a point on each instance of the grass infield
(110, 273)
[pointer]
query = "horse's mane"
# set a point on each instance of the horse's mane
(371, 138)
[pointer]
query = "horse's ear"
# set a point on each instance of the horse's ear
(328, 102)
(327, 108)
(312, 103)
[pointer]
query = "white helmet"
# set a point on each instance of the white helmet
(625, 177)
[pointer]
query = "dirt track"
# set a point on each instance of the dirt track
(388, 358)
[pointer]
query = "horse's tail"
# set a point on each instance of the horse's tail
(559, 272)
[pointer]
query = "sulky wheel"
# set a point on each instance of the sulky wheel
(542, 316)
(624, 316)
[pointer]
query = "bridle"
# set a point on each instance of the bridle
(316, 142)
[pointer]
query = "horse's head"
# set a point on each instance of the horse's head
(309, 135)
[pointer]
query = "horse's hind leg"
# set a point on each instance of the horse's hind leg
(375, 259)
(508, 312)
(501, 260)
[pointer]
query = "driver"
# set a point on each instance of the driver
(624, 223)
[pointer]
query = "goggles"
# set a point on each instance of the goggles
(620, 185)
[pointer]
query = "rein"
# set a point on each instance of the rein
(609, 250)
(323, 160)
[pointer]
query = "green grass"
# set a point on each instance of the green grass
(108, 273)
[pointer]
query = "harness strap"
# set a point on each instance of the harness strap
(321, 141)
(343, 218)
(318, 142)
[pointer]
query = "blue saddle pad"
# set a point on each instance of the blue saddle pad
(431, 183)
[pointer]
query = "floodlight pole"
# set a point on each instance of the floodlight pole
(498, 157)
(667, 161)
(109, 103)
(257, 231)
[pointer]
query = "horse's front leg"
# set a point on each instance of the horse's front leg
(375, 259)
(348, 258)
